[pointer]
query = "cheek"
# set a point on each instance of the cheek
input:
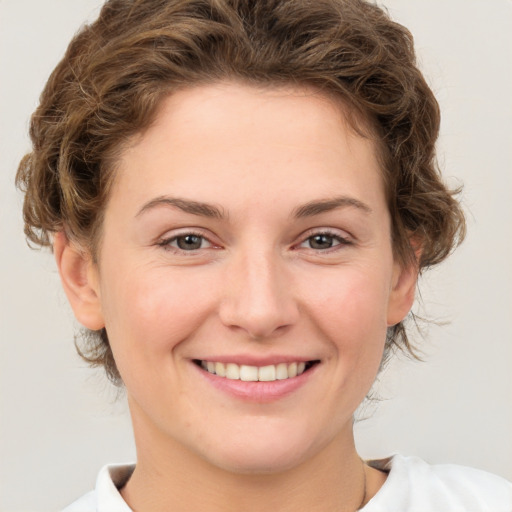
(152, 312)
(352, 312)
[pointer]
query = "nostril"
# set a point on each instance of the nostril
(258, 302)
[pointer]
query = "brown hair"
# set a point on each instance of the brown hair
(117, 70)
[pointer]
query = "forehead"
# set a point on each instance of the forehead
(233, 140)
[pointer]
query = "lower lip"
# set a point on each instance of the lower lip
(261, 392)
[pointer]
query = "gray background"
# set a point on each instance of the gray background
(59, 422)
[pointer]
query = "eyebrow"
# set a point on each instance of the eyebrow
(325, 205)
(208, 210)
(186, 205)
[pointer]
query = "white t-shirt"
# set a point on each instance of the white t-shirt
(412, 485)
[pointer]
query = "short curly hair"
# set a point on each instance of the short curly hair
(117, 70)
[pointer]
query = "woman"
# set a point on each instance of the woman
(240, 197)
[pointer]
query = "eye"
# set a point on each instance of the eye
(186, 242)
(323, 241)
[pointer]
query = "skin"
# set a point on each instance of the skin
(256, 287)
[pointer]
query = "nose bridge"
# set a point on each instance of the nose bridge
(259, 297)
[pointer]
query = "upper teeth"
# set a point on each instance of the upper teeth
(248, 373)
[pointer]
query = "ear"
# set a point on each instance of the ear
(403, 290)
(79, 277)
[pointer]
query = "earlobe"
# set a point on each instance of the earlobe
(79, 279)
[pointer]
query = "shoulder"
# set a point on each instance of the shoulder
(106, 496)
(416, 486)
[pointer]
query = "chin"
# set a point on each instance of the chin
(262, 462)
(265, 453)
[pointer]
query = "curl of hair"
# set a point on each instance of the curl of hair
(117, 70)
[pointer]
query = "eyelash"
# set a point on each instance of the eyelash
(166, 242)
(341, 241)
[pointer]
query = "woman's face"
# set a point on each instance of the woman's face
(247, 232)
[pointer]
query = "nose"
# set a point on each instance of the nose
(258, 296)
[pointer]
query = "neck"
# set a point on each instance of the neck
(169, 476)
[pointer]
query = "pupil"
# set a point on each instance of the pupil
(321, 242)
(189, 242)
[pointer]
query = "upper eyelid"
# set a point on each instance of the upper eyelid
(176, 233)
(334, 232)
(166, 239)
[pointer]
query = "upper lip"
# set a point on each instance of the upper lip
(252, 360)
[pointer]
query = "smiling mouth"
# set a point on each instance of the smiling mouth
(246, 373)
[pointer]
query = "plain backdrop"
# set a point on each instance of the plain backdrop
(59, 421)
